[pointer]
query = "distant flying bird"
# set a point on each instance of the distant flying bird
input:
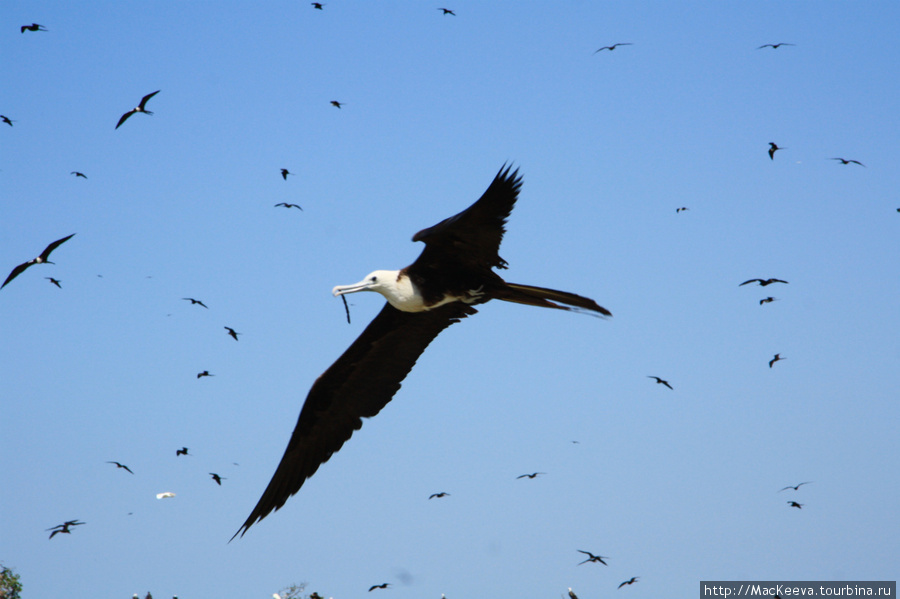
(286, 205)
(383, 585)
(532, 475)
(633, 580)
(217, 478)
(78, 174)
(799, 506)
(613, 47)
(232, 332)
(682, 209)
(763, 283)
(317, 5)
(182, 451)
(42, 259)
(592, 557)
(795, 487)
(659, 381)
(122, 466)
(139, 108)
(775, 359)
(439, 495)
(6, 120)
(336, 104)
(165, 495)
(54, 281)
(773, 147)
(64, 527)
(447, 11)
(195, 301)
(767, 300)
(846, 161)
(33, 27)
(204, 373)
(775, 46)
(285, 173)
(452, 275)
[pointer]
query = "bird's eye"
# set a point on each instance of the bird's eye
(374, 279)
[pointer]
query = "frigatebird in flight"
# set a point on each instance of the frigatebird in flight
(286, 205)
(6, 120)
(659, 381)
(613, 47)
(285, 173)
(633, 580)
(54, 281)
(182, 451)
(139, 108)
(799, 506)
(439, 495)
(217, 478)
(532, 475)
(592, 557)
(232, 332)
(773, 147)
(763, 283)
(78, 174)
(767, 300)
(64, 527)
(33, 27)
(122, 466)
(775, 359)
(383, 585)
(447, 11)
(195, 301)
(797, 487)
(204, 373)
(336, 104)
(775, 46)
(42, 259)
(453, 274)
(317, 5)
(682, 209)
(846, 161)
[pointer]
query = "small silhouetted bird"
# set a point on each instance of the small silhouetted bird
(659, 381)
(846, 161)
(775, 359)
(6, 120)
(285, 173)
(532, 475)
(766, 300)
(217, 478)
(54, 281)
(182, 451)
(633, 580)
(799, 506)
(773, 147)
(204, 373)
(775, 46)
(139, 108)
(42, 259)
(195, 301)
(439, 495)
(286, 205)
(336, 104)
(64, 527)
(592, 557)
(317, 5)
(447, 11)
(78, 174)
(122, 466)
(794, 487)
(383, 585)
(682, 209)
(33, 27)
(232, 332)
(165, 495)
(763, 283)
(613, 47)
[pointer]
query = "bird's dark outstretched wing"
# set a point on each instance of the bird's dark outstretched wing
(46, 253)
(43, 258)
(147, 97)
(473, 236)
(358, 385)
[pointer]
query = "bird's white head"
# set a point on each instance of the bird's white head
(392, 284)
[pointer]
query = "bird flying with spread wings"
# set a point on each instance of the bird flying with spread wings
(42, 259)
(139, 108)
(453, 274)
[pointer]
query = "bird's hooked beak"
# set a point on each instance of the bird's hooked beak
(364, 285)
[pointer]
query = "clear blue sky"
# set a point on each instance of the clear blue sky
(674, 486)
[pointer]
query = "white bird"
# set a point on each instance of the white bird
(165, 495)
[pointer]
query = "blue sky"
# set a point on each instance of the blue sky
(674, 486)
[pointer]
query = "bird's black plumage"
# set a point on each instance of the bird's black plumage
(139, 108)
(195, 302)
(795, 487)
(659, 381)
(593, 558)
(460, 253)
(763, 282)
(42, 259)
(122, 466)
